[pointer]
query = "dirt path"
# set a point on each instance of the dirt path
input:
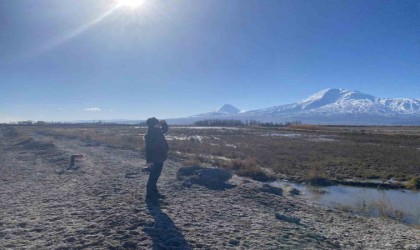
(100, 205)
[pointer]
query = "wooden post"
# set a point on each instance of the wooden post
(72, 160)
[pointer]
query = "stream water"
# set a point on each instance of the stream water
(401, 204)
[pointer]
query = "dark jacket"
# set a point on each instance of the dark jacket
(156, 145)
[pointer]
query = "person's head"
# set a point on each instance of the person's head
(153, 122)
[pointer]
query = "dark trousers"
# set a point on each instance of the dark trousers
(155, 171)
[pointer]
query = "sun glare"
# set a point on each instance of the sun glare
(129, 3)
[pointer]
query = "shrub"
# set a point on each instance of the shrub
(192, 162)
(248, 168)
(413, 183)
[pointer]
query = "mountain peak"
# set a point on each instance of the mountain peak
(333, 95)
(228, 109)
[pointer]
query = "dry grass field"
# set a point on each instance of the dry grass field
(301, 152)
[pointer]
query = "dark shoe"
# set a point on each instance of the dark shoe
(157, 195)
(146, 169)
(154, 192)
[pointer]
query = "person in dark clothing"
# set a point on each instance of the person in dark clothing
(156, 153)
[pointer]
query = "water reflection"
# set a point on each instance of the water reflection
(399, 204)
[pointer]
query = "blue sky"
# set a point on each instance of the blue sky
(68, 59)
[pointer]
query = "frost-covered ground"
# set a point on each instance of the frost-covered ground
(100, 205)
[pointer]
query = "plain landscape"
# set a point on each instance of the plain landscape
(292, 124)
(99, 202)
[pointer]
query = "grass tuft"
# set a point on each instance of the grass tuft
(247, 168)
(413, 183)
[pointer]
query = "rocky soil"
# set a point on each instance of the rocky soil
(99, 204)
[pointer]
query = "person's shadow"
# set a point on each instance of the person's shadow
(164, 233)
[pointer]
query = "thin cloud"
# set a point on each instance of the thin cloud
(93, 109)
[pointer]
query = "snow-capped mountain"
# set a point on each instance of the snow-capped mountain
(343, 101)
(226, 109)
(342, 106)
(329, 106)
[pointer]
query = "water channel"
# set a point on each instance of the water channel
(400, 204)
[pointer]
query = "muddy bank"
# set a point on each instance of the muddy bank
(100, 205)
(323, 182)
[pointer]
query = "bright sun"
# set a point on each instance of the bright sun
(129, 3)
